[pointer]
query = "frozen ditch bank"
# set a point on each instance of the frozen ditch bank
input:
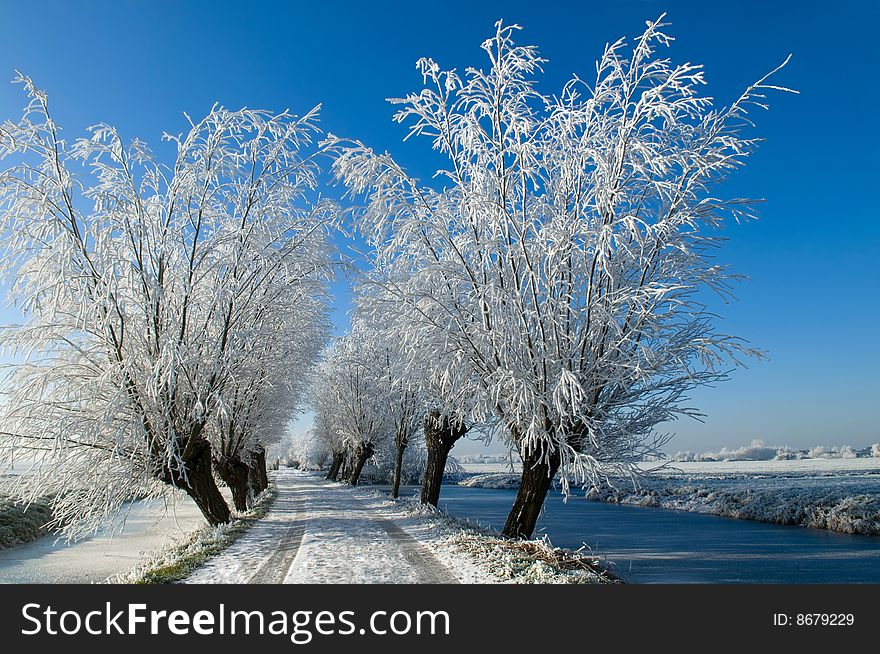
(841, 496)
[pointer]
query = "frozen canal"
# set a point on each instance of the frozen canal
(649, 545)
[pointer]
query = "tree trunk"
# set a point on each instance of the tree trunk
(198, 482)
(440, 435)
(262, 473)
(537, 475)
(235, 473)
(398, 467)
(335, 465)
(343, 469)
(364, 451)
(259, 479)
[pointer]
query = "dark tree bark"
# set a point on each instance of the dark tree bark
(261, 468)
(398, 467)
(257, 475)
(335, 465)
(344, 468)
(537, 475)
(235, 473)
(441, 432)
(198, 481)
(363, 452)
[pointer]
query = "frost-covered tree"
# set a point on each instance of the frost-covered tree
(275, 356)
(139, 284)
(349, 399)
(557, 272)
(418, 375)
(393, 373)
(405, 413)
(325, 432)
(301, 449)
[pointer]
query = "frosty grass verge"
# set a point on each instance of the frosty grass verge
(510, 561)
(848, 504)
(22, 523)
(179, 560)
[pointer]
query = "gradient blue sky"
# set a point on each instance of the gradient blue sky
(812, 258)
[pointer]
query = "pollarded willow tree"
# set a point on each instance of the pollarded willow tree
(418, 389)
(268, 379)
(350, 402)
(557, 275)
(140, 284)
(326, 435)
(392, 372)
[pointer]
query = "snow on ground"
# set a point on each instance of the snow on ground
(812, 466)
(715, 467)
(837, 494)
(324, 532)
(149, 527)
(357, 536)
(485, 468)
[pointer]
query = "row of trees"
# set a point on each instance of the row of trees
(367, 403)
(552, 288)
(362, 403)
(171, 312)
(549, 289)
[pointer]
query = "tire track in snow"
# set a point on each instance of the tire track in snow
(429, 569)
(274, 569)
(350, 538)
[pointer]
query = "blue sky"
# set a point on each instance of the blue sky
(812, 258)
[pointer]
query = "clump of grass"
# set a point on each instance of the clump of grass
(533, 561)
(22, 523)
(181, 560)
(517, 561)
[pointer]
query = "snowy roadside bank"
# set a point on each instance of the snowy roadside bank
(177, 560)
(837, 507)
(480, 555)
(846, 501)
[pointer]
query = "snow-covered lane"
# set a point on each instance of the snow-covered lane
(348, 541)
(321, 532)
(264, 552)
(148, 527)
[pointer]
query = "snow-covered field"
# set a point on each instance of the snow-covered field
(486, 468)
(818, 466)
(800, 466)
(837, 494)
